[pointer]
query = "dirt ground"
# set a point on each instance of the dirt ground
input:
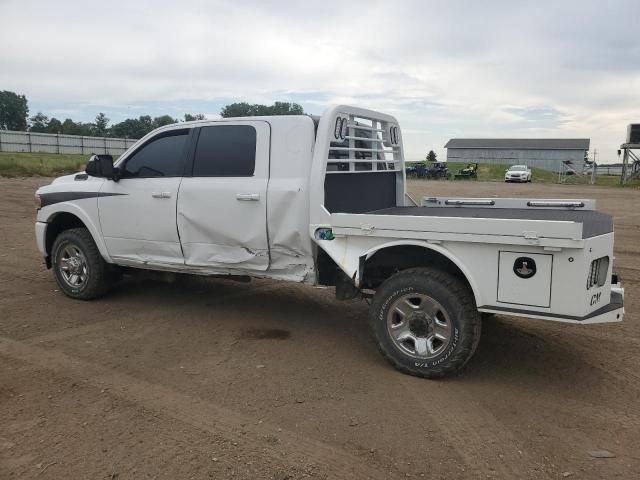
(212, 379)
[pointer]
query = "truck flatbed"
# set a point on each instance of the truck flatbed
(594, 223)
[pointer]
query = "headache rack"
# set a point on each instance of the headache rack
(364, 145)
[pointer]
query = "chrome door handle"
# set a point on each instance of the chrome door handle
(161, 194)
(248, 197)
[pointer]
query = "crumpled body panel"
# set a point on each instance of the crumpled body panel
(217, 230)
(288, 217)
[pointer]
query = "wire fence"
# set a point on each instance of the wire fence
(11, 141)
(614, 169)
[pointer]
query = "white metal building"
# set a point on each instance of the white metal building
(545, 153)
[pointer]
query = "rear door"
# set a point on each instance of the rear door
(222, 206)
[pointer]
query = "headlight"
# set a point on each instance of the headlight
(37, 201)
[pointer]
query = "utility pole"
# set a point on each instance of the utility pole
(593, 167)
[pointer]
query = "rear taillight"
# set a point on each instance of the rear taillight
(598, 272)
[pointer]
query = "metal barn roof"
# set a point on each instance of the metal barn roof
(521, 143)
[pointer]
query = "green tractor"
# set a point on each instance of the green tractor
(470, 172)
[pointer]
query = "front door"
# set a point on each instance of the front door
(138, 213)
(222, 206)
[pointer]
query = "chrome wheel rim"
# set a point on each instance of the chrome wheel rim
(419, 326)
(73, 267)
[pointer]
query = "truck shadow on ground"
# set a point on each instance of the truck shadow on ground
(266, 310)
(534, 353)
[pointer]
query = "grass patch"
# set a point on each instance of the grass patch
(43, 164)
(492, 172)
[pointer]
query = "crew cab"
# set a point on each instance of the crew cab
(323, 201)
(518, 173)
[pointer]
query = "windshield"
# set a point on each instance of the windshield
(518, 168)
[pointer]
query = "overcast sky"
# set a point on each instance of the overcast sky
(444, 68)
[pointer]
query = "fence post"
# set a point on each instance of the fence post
(105, 145)
(81, 145)
(0, 141)
(58, 143)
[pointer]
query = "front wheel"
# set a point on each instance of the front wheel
(79, 269)
(425, 322)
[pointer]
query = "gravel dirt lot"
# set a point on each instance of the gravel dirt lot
(212, 379)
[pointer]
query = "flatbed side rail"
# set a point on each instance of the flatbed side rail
(521, 203)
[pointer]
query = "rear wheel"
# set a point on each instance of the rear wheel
(425, 322)
(79, 269)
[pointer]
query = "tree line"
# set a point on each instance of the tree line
(14, 115)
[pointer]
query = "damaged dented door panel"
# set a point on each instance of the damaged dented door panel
(222, 205)
(138, 213)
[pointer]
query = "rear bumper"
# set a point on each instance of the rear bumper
(613, 312)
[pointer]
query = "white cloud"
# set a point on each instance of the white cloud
(443, 68)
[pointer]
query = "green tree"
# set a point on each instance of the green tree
(39, 123)
(431, 156)
(101, 125)
(54, 126)
(136, 127)
(244, 109)
(163, 120)
(13, 111)
(69, 127)
(190, 118)
(285, 108)
(126, 129)
(144, 126)
(87, 129)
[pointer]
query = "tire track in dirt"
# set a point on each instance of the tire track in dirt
(626, 375)
(78, 331)
(197, 413)
(474, 432)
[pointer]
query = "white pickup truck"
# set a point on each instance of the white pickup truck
(323, 201)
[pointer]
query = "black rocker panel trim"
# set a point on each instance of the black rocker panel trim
(47, 199)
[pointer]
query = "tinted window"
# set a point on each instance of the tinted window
(225, 151)
(161, 157)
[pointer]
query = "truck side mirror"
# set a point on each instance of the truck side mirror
(100, 166)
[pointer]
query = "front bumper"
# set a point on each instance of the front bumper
(41, 233)
(515, 179)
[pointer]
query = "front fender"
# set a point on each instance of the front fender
(47, 214)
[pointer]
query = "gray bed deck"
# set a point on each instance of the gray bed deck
(593, 223)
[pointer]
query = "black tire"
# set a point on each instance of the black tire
(98, 275)
(456, 307)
